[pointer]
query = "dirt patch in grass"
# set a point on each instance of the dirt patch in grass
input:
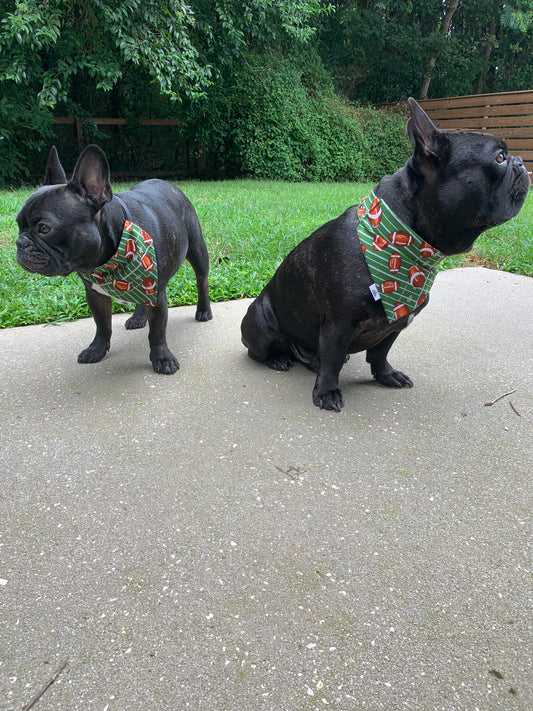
(474, 260)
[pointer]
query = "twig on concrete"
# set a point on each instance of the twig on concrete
(488, 404)
(289, 471)
(513, 408)
(48, 685)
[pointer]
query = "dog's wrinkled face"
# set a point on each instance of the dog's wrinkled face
(468, 183)
(504, 176)
(59, 224)
(57, 232)
(495, 182)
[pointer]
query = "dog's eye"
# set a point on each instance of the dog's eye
(43, 228)
(501, 157)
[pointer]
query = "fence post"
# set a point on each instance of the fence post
(79, 135)
(202, 163)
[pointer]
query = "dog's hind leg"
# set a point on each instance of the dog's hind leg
(199, 260)
(265, 344)
(137, 319)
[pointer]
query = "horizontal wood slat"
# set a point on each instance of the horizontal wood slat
(118, 121)
(484, 110)
(507, 133)
(526, 143)
(483, 123)
(160, 122)
(510, 97)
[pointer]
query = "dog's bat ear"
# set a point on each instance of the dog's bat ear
(54, 175)
(91, 177)
(429, 143)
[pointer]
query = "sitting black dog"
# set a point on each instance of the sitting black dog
(125, 246)
(357, 281)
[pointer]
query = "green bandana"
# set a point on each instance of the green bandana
(130, 276)
(400, 262)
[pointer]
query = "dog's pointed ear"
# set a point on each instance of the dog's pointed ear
(427, 141)
(54, 175)
(91, 177)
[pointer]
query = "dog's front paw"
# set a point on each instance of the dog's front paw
(203, 315)
(329, 399)
(393, 378)
(164, 362)
(94, 353)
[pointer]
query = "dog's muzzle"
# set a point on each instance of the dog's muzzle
(29, 256)
(521, 180)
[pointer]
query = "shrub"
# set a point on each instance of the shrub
(271, 120)
(387, 146)
(25, 130)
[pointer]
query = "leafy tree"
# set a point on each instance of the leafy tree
(50, 43)
(508, 48)
(376, 49)
(383, 50)
(213, 63)
(48, 48)
(441, 33)
(74, 51)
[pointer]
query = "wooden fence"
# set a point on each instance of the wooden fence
(110, 122)
(81, 138)
(508, 115)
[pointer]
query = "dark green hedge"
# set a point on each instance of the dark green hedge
(274, 120)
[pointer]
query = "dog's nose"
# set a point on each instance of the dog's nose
(23, 242)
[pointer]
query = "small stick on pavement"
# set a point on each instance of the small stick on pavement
(289, 471)
(513, 408)
(488, 404)
(36, 698)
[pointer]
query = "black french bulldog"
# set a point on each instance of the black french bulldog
(322, 303)
(80, 226)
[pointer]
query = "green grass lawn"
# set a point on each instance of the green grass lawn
(249, 226)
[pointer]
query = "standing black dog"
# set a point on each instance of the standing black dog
(127, 245)
(324, 301)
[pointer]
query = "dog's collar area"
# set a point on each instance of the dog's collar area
(130, 276)
(401, 264)
(127, 217)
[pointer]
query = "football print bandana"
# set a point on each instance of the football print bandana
(400, 262)
(130, 276)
